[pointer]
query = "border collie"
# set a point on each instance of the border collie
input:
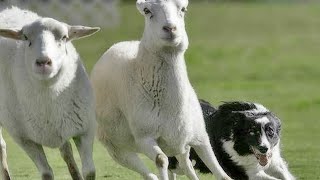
(245, 138)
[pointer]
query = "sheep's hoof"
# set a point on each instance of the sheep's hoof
(76, 177)
(226, 178)
(47, 177)
(6, 174)
(91, 176)
(75, 173)
(151, 177)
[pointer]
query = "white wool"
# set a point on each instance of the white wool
(8, 17)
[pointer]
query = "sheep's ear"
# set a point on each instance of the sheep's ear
(11, 33)
(141, 5)
(77, 32)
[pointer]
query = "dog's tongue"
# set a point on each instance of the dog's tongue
(263, 159)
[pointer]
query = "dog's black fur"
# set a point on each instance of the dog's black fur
(236, 122)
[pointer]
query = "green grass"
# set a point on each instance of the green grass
(267, 53)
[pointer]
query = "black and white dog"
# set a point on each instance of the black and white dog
(245, 138)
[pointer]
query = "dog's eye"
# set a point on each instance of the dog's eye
(269, 131)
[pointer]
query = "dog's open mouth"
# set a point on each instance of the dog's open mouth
(262, 158)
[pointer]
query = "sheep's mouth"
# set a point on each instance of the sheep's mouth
(172, 41)
(45, 69)
(170, 37)
(263, 158)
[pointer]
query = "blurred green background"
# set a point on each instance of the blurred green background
(265, 52)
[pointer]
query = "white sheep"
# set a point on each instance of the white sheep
(45, 94)
(144, 100)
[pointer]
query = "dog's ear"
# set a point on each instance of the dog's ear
(276, 121)
(247, 114)
(279, 129)
(278, 125)
(239, 117)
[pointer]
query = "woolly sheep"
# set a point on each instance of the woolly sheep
(45, 94)
(144, 100)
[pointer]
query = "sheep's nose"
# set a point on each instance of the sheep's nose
(169, 28)
(263, 149)
(43, 61)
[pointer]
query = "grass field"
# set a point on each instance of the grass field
(267, 53)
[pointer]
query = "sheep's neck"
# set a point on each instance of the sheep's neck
(172, 56)
(163, 77)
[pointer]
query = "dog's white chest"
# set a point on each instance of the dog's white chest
(244, 161)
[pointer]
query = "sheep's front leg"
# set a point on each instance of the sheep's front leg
(151, 149)
(84, 145)
(131, 160)
(206, 154)
(67, 155)
(172, 175)
(186, 165)
(3, 158)
(36, 153)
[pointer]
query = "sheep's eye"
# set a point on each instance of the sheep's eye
(64, 38)
(184, 10)
(146, 11)
(25, 37)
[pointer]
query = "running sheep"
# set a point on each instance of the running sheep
(45, 94)
(145, 102)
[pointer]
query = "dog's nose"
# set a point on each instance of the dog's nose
(263, 149)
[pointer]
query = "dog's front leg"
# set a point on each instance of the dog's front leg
(261, 175)
(278, 167)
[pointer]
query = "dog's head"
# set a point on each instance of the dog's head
(254, 129)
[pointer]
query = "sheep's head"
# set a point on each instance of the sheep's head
(46, 42)
(164, 22)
